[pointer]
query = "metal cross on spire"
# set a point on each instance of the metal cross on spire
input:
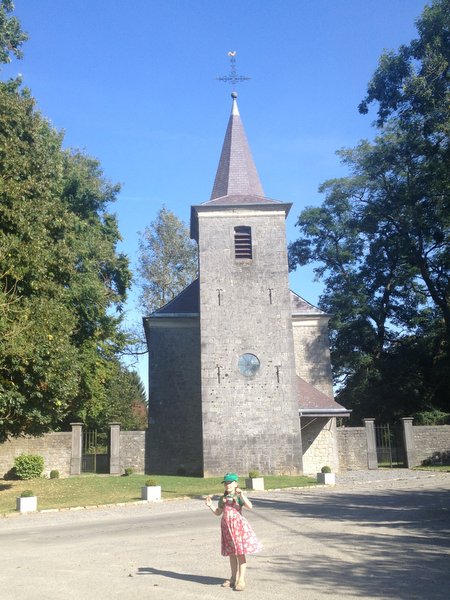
(233, 77)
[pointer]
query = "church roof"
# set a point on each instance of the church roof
(237, 182)
(301, 307)
(185, 304)
(236, 173)
(239, 199)
(314, 403)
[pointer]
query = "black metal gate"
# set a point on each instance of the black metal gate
(95, 456)
(390, 446)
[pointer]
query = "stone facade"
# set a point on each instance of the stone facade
(320, 444)
(245, 311)
(248, 422)
(312, 351)
(55, 448)
(175, 419)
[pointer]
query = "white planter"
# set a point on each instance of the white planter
(326, 478)
(254, 483)
(151, 493)
(28, 504)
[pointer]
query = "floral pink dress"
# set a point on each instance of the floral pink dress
(237, 535)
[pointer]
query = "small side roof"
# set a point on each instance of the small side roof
(187, 303)
(314, 403)
(300, 306)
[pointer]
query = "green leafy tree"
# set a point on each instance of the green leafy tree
(382, 240)
(11, 35)
(127, 399)
(62, 282)
(167, 260)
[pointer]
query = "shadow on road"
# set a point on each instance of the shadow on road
(385, 544)
(422, 511)
(204, 580)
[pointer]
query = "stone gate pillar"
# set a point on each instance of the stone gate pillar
(408, 440)
(372, 459)
(114, 445)
(75, 459)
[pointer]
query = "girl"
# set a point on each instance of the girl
(238, 538)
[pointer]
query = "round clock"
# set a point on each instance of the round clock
(248, 364)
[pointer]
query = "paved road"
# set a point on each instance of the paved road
(371, 536)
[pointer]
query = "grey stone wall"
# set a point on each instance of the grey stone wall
(352, 448)
(320, 444)
(55, 448)
(248, 422)
(430, 441)
(174, 443)
(312, 351)
(132, 450)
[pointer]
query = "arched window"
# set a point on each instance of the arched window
(243, 242)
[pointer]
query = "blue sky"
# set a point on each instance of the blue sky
(134, 85)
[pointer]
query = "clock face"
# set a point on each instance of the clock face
(248, 364)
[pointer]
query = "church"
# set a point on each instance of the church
(239, 365)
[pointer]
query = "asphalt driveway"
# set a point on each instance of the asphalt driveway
(372, 536)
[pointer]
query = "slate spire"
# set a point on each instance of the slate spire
(236, 174)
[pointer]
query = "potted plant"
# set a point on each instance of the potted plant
(255, 481)
(26, 502)
(151, 491)
(326, 477)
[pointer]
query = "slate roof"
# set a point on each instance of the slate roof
(236, 173)
(187, 303)
(301, 307)
(239, 199)
(237, 182)
(314, 403)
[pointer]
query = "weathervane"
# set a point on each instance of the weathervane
(233, 77)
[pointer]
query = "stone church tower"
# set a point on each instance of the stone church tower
(225, 374)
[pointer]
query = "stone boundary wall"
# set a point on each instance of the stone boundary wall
(56, 448)
(432, 443)
(352, 448)
(429, 443)
(132, 450)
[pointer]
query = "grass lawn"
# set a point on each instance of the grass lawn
(91, 490)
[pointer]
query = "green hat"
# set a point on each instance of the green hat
(230, 477)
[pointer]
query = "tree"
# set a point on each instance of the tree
(167, 260)
(127, 400)
(62, 282)
(382, 238)
(11, 35)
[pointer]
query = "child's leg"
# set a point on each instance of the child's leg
(234, 571)
(234, 568)
(242, 569)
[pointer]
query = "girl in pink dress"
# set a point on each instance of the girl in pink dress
(238, 538)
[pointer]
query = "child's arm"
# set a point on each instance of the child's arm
(217, 511)
(245, 501)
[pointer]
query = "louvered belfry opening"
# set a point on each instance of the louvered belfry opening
(243, 242)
